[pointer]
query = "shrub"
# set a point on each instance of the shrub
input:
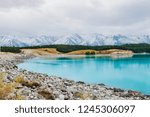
(92, 53)
(87, 53)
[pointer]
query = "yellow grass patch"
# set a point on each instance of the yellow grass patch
(82, 52)
(40, 51)
(110, 51)
(7, 90)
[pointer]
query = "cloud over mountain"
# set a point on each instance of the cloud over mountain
(29, 17)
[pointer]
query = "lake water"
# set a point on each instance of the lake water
(126, 73)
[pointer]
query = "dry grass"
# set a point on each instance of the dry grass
(40, 51)
(8, 91)
(82, 52)
(19, 79)
(32, 84)
(115, 51)
(110, 51)
(5, 88)
(47, 95)
(83, 96)
(53, 51)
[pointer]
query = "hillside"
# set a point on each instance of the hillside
(110, 51)
(52, 51)
(40, 51)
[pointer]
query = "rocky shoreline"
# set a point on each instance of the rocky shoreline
(36, 86)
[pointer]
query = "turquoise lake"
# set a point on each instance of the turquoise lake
(126, 73)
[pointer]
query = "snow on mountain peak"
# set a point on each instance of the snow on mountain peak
(73, 39)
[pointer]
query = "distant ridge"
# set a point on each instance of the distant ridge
(73, 39)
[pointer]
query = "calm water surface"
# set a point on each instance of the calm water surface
(127, 73)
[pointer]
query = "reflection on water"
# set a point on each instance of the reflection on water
(129, 73)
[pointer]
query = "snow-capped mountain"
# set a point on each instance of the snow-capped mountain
(73, 39)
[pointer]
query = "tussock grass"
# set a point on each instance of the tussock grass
(5, 88)
(8, 91)
(23, 82)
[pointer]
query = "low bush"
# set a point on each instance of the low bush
(90, 53)
(87, 53)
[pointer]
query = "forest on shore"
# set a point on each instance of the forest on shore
(136, 48)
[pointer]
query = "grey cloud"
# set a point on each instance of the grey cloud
(129, 13)
(19, 3)
(133, 13)
(62, 16)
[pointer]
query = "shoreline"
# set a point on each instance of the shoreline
(56, 88)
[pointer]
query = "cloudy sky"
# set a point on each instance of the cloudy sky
(35, 17)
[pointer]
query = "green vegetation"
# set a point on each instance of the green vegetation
(136, 48)
(10, 49)
(87, 53)
(90, 53)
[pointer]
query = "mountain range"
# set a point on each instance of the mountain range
(73, 39)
